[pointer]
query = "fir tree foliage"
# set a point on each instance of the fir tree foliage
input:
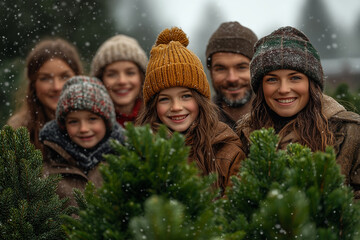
(348, 98)
(149, 164)
(165, 219)
(292, 194)
(29, 206)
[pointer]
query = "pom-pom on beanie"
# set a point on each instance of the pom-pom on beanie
(85, 93)
(171, 64)
(231, 37)
(285, 48)
(118, 48)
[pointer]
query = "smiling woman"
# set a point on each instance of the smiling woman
(287, 78)
(120, 63)
(48, 66)
(286, 92)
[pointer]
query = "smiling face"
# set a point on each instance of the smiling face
(230, 73)
(176, 108)
(85, 128)
(122, 79)
(286, 92)
(49, 82)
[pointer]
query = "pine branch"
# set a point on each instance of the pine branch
(30, 208)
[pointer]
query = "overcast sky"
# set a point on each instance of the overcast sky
(262, 16)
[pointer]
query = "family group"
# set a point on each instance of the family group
(276, 81)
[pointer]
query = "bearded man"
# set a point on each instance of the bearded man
(228, 53)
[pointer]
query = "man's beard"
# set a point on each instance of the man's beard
(237, 103)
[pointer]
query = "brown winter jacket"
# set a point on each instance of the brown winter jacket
(345, 126)
(228, 153)
(72, 175)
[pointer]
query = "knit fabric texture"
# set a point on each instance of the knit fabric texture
(285, 48)
(85, 93)
(118, 48)
(231, 37)
(171, 64)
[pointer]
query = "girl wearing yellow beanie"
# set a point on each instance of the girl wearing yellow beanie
(176, 93)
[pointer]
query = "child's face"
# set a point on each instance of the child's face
(286, 92)
(85, 128)
(176, 108)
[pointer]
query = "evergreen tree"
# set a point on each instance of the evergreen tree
(137, 19)
(147, 165)
(29, 206)
(151, 192)
(211, 19)
(292, 194)
(86, 23)
(166, 219)
(351, 101)
(353, 43)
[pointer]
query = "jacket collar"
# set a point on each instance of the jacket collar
(331, 107)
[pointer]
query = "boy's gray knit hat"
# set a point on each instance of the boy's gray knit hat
(231, 37)
(118, 48)
(285, 48)
(85, 93)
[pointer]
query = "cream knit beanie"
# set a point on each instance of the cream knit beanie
(118, 48)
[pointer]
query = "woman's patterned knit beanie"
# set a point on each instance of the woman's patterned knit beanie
(171, 64)
(85, 93)
(285, 48)
(118, 48)
(231, 37)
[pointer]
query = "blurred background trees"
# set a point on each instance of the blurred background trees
(88, 23)
(339, 51)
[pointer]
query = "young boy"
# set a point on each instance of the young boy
(75, 141)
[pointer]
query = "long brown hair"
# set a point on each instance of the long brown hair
(200, 134)
(310, 125)
(43, 51)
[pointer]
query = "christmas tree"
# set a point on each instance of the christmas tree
(292, 194)
(148, 179)
(166, 219)
(29, 206)
(150, 191)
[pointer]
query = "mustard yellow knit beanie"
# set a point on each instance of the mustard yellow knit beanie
(171, 64)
